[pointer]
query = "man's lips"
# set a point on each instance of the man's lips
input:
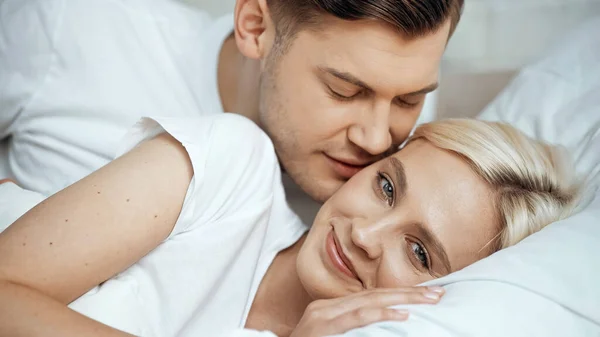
(345, 168)
(337, 256)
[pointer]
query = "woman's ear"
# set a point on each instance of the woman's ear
(253, 28)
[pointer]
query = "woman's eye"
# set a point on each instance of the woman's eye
(420, 253)
(387, 188)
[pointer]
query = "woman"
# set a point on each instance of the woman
(189, 233)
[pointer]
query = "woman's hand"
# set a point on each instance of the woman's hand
(7, 180)
(338, 315)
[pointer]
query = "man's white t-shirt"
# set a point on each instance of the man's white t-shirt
(201, 281)
(75, 75)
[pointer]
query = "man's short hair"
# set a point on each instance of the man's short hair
(411, 18)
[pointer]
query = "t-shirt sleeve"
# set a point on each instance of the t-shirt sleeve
(233, 161)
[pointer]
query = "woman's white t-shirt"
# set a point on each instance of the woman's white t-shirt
(201, 281)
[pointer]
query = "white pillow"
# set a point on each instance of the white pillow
(549, 284)
(429, 111)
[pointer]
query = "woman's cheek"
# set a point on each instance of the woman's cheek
(397, 271)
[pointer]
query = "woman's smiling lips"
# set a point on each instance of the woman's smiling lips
(337, 256)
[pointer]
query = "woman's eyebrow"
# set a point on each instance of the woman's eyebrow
(430, 239)
(435, 247)
(401, 182)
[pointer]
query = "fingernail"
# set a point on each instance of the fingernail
(438, 290)
(403, 313)
(432, 296)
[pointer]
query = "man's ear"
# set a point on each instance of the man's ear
(253, 28)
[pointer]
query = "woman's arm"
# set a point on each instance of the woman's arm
(86, 234)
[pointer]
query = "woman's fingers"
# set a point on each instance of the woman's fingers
(314, 325)
(421, 290)
(379, 298)
(335, 316)
(389, 297)
(7, 180)
(360, 317)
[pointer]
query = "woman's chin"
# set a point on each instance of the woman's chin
(318, 281)
(319, 289)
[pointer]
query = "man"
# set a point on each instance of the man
(335, 84)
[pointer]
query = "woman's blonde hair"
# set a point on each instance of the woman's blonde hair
(533, 181)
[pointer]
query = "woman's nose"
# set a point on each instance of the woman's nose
(368, 235)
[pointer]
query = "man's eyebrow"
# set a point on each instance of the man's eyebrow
(401, 182)
(435, 247)
(423, 91)
(346, 77)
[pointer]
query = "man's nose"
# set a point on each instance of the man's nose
(369, 234)
(371, 132)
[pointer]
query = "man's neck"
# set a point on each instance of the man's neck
(281, 298)
(238, 80)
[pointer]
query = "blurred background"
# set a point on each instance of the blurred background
(493, 41)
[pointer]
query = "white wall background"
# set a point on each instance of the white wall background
(215, 7)
(498, 35)
(494, 39)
